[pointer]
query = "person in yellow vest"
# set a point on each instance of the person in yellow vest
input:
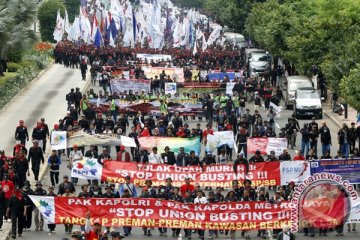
(163, 107)
(84, 104)
(113, 109)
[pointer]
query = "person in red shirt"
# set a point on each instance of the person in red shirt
(93, 233)
(7, 187)
(207, 131)
(187, 187)
(122, 155)
(299, 156)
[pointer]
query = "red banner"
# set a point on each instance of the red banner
(265, 174)
(148, 212)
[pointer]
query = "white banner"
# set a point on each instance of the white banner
(86, 168)
(220, 139)
(277, 109)
(294, 171)
(58, 140)
(170, 88)
(277, 145)
(154, 57)
(128, 141)
(230, 87)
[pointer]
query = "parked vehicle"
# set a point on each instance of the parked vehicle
(307, 103)
(259, 63)
(291, 85)
(236, 38)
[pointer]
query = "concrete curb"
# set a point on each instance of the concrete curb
(7, 226)
(27, 87)
(336, 121)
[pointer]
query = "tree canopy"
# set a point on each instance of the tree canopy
(16, 17)
(47, 18)
(73, 8)
(306, 33)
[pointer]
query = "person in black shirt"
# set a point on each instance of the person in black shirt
(194, 160)
(108, 192)
(21, 168)
(218, 195)
(272, 157)
(305, 139)
(70, 98)
(352, 137)
(66, 182)
(177, 121)
(256, 158)
(292, 127)
(109, 123)
(312, 155)
(84, 123)
(99, 124)
(168, 156)
(21, 133)
(17, 212)
(77, 99)
(47, 133)
(241, 160)
(285, 156)
(313, 136)
(36, 157)
(39, 134)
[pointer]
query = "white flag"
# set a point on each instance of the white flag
(75, 32)
(59, 28)
(66, 23)
(195, 48)
(214, 35)
(204, 43)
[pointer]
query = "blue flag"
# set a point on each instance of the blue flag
(112, 28)
(134, 27)
(98, 38)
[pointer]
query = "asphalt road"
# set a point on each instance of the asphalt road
(46, 98)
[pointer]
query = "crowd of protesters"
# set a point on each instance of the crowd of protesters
(239, 112)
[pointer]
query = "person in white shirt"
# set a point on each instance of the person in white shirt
(75, 155)
(154, 157)
(201, 199)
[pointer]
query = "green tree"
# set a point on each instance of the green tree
(232, 13)
(47, 18)
(73, 8)
(350, 87)
(16, 17)
(189, 3)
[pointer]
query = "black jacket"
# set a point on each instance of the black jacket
(21, 166)
(35, 155)
(169, 158)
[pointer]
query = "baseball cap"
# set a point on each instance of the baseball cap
(97, 222)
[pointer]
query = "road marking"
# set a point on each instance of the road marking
(277, 125)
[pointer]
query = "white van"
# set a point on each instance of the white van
(291, 85)
(236, 38)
